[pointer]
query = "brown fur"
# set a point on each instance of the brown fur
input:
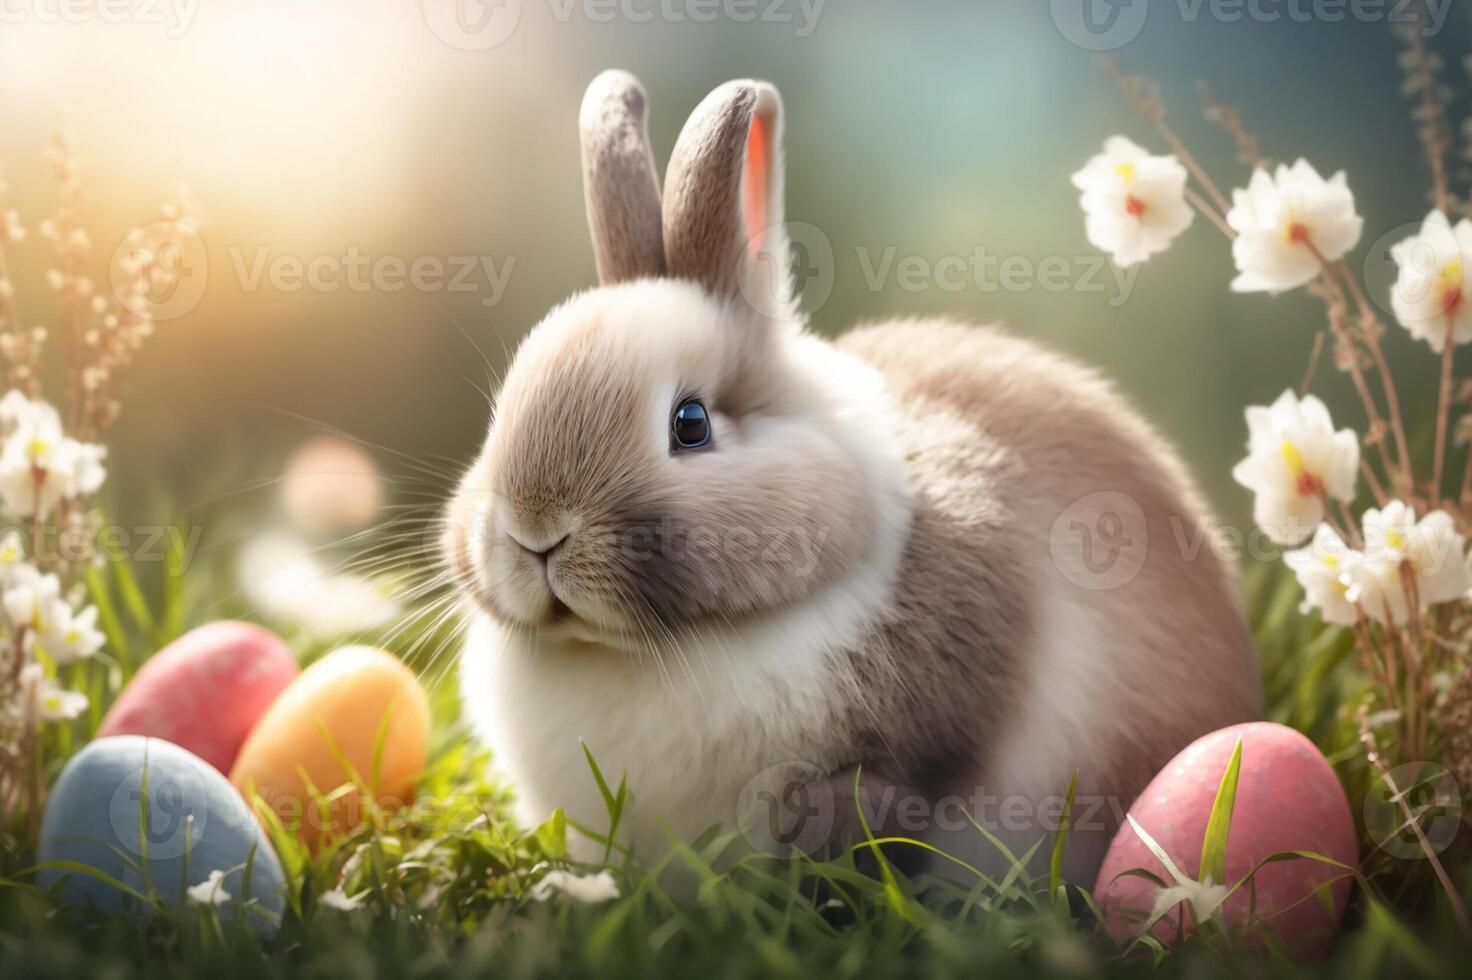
(1046, 433)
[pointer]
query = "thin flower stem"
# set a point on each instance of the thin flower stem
(1313, 364)
(1184, 155)
(1341, 523)
(1230, 120)
(1443, 412)
(1347, 531)
(1416, 706)
(1368, 472)
(1465, 496)
(1335, 308)
(7, 301)
(1210, 213)
(1381, 666)
(1370, 327)
(1422, 75)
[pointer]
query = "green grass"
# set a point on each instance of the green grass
(449, 894)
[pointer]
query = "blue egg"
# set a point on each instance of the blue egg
(158, 819)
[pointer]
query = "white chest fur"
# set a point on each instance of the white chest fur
(690, 731)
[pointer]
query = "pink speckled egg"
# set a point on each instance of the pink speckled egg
(205, 691)
(1288, 799)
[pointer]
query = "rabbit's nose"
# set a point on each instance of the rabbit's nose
(539, 548)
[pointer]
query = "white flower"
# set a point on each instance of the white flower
(1322, 569)
(39, 465)
(286, 580)
(71, 637)
(13, 558)
(55, 703)
(211, 891)
(340, 900)
(1203, 896)
(1282, 220)
(52, 701)
(16, 410)
(86, 473)
(1429, 551)
(1428, 289)
(598, 887)
(35, 602)
(1294, 461)
(1134, 203)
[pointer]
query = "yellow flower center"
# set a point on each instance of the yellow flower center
(1292, 457)
(1126, 171)
(1395, 539)
(38, 448)
(1307, 484)
(1450, 274)
(1449, 285)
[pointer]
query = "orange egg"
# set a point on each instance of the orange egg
(356, 715)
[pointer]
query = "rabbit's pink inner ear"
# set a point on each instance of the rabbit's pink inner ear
(754, 181)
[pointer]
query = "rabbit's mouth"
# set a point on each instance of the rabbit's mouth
(536, 596)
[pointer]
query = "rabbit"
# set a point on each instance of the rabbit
(909, 581)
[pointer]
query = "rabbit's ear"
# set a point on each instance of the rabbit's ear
(620, 183)
(723, 198)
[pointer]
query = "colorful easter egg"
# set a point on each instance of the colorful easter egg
(357, 711)
(159, 820)
(1288, 799)
(331, 485)
(206, 690)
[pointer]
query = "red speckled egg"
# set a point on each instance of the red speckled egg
(206, 690)
(1288, 799)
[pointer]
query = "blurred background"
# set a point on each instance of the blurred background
(332, 147)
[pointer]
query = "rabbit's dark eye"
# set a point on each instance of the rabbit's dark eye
(690, 425)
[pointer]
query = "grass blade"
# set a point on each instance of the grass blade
(1060, 845)
(1213, 866)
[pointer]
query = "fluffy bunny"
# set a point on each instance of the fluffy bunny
(744, 564)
